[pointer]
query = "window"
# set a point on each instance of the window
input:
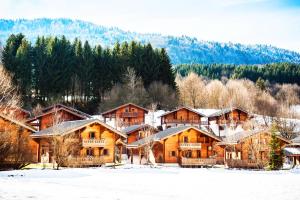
(141, 134)
(92, 135)
(105, 152)
(172, 153)
(89, 152)
(185, 139)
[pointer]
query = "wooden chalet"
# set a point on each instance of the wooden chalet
(229, 116)
(185, 145)
(292, 151)
(183, 116)
(96, 143)
(137, 132)
(249, 149)
(56, 114)
(126, 115)
(18, 129)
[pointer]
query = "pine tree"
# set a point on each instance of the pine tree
(260, 83)
(276, 155)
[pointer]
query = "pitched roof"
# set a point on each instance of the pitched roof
(68, 108)
(224, 111)
(65, 108)
(169, 132)
(184, 107)
(71, 126)
(17, 122)
(239, 136)
(290, 151)
(133, 128)
(121, 106)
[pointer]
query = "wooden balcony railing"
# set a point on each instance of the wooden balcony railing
(186, 121)
(190, 145)
(198, 161)
(129, 114)
(85, 161)
(93, 142)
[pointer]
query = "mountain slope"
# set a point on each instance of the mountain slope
(181, 49)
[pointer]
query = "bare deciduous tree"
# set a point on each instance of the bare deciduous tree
(9, 97)
(192, 90)
(63, 146)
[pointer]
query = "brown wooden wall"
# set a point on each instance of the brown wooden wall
(46, 121)
(181, 114)
(101, 132)
(162, 150)
(139, 118)
(14, 129)
(259, 144)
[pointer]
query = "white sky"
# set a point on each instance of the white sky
(275, 22)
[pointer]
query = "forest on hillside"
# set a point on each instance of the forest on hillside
(182, 49)
(273, 73)
(54, 69)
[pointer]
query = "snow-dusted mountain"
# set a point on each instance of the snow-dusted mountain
(181, 49)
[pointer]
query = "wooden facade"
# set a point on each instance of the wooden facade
(126, 115)
(98, 142)
(51, 115)
(19, 130)
(182, 116)
(250, 150)
(137, 132)
(229, 116)
(187, 146)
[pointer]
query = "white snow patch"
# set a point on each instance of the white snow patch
(133, 182)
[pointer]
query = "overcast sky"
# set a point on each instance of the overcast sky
(275, 22)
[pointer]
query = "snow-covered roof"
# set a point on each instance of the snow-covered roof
(290, 151)
(207, 111)
(237, 137)
(169, 132)
(133, 128)
(296, 140)
(71, 126)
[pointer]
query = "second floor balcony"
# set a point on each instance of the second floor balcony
(93, 142)
(129, 114)
(185, 121)
(190, 145)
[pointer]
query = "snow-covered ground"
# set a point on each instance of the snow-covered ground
(143, 183)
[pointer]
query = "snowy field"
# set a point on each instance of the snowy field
(143, 183)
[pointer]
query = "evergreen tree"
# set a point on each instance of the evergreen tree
(260, 83)
(276, 155)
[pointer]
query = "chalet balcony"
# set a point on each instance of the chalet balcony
(93, 142)
(190, 145)
(86, 161)
(198, 161)
(129, 114)
(185, 121)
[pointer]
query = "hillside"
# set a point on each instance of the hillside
(180, 49)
